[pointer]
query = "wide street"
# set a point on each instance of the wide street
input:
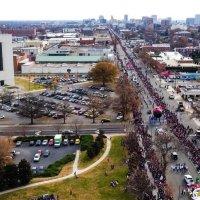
(52, 129)
(174, 179)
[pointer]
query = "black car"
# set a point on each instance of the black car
(46, 153)
(72, 141)
(31, 143)
(38, 143)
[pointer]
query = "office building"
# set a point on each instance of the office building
(155, 18)
(197, 20)
(190, 21)
(6, 60)
(165, 23)
(125, 18)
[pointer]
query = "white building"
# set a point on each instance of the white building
(6, 60)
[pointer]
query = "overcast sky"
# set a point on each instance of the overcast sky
(81, 9)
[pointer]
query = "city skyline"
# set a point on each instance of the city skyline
(75, 10)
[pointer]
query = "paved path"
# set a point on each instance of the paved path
(78, 172)
(75, 165)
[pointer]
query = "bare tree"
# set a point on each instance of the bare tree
(165, 143)
(6, 96)
(31, 107)
(58, 127)
(77, 125)
(127, 97)
(95, 106)
(139, 184)
(6, 146)
(65, 109)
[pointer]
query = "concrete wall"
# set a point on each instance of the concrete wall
(7, 75)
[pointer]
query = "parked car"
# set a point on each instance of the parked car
(36, 157)
(44, 142)
(18, 143)
(65, 142)
(2, 117)
(71, 141)
(34, 169)
(38, 143)
(51, 142)
(171, 96)
(31, 143)
(40, 152)
(77, 141)
(13, 153)
(46, 153)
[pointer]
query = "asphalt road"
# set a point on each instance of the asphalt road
(52, 129)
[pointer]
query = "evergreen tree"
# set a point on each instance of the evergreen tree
(90, 152)
(25, 174)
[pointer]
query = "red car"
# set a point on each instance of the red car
(39, 152)
(51, 142)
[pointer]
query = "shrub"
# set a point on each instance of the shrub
(55, 168)
(86, 141)
(29, 138)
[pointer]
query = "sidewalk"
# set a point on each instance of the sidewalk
(78, 172)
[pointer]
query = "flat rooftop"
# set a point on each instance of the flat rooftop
(67, 59)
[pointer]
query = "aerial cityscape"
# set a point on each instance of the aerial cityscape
(100, 103)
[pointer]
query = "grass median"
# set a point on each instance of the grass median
(26, 85)
(94, 185)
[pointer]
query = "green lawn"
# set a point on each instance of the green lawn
(93, 185)
(25, 85)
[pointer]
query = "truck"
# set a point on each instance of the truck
(57, 140)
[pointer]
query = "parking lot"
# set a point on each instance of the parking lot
(76, 96)
(27, 152)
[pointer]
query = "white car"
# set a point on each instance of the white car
(97, 131)
(36, 157)
(190, 100)
(44, 142)
(188, 180)
(171, 96)
(119, 117)
(2, 116)
(159, 131)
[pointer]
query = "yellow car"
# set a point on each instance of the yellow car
(77, 141)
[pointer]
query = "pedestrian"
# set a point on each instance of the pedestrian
(75, 175)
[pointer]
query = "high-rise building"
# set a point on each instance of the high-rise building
(165, 23)
(125, 18)
(102, 20)
(101, 17)
(190, 21)
(148, 23)
(6, 60)
(197, 19)
(155, 18)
